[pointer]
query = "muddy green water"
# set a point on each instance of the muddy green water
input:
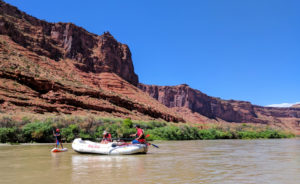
(215, 161)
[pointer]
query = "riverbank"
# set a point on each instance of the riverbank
(40, 129)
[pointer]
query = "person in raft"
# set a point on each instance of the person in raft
(58, 138)
(140, 136)
(106, 137)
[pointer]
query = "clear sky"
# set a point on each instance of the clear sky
(233, 49)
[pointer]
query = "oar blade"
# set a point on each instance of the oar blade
(154, 145)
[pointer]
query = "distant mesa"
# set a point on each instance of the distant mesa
(296, 105)
(287, 105)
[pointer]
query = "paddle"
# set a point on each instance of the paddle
(55, 137)
(129, 139)
(151, 143)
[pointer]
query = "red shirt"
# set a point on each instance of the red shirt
(140, 132)
(107, 137)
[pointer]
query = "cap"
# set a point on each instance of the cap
(105, 132)
(57, 130)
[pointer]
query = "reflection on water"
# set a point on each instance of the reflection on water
(217, 161)
(105, 168)
(103, 161)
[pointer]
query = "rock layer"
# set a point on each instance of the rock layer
(90, 52)
(182, 97)
(62, 68)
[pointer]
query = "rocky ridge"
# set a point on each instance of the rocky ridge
(188, 101)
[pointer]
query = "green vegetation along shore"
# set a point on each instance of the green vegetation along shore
(41, 130)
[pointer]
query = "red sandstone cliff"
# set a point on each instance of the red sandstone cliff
(61, 68)
(90, 52)
(189, 101)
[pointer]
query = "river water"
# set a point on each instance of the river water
(212, 161)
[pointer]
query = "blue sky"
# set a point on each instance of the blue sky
(233, 49)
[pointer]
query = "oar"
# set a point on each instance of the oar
(151, 143)
(128, 139)
(123, 139)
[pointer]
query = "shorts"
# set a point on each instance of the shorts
(135, 142)
(58, 142)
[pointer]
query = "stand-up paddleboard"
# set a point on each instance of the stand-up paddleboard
(59, 149)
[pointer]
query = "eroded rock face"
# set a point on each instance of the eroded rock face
(62, 68)
(229, 110)
(278, 112)
(58, 41)
(184, 96)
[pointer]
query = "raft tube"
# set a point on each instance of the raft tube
(111, 148)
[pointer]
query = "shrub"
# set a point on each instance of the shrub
(91, 128)
(125, 132)
(248, 135)
(85, 135)
(71, 132)
(8, 135)
(7, 122)
(151, 124)
(207, 134)
(223, 135)
(127, 123)
(38, 132)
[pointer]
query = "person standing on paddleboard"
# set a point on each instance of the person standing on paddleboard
(58, 138)
(140, 136)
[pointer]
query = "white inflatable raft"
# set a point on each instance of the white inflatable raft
(112, 148)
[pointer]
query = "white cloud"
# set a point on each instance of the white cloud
(282, 104)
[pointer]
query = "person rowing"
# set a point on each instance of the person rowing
(140, 136)
(106, 137)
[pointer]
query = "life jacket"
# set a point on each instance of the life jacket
(107, 137)
(142, 139)
(58, 136)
